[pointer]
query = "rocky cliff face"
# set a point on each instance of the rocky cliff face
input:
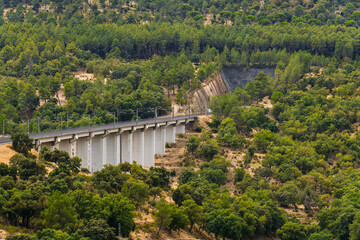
(235, 77)
(211, 88)
(227, 80)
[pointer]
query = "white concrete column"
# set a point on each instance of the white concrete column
(65, 145)
(90, 158)
(131, 144)
(110, 152)
(149, 147)
(163, 139)
(170, 133)
(82, 151)
(127, 146)
(160, 140)
(180, 128)
(138, 146)
(104, 151)
(118, 148)
(96, 153)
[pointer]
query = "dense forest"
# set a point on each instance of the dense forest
(299, 152)
(137, 47)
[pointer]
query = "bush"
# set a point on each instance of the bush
(192, 143)
(97, 229)
(208, 149)
(21, 142)
(239, 175)
(198, 129)
(19, 237)
(292, 231)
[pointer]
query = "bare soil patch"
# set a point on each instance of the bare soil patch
(6, 152)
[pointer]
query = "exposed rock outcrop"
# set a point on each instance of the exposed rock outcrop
(210, 88)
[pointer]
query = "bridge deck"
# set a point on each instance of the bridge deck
(48, 134)
(109, 126)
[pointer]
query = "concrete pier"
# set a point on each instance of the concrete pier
(170, 133)
(180, 128)
(126, 147)
(160, 136)
(138, 147)
(111, 149)
(96, 152)
(149, 147)
(117, 144)
(82, 151)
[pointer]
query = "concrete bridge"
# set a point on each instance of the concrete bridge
(117, 142)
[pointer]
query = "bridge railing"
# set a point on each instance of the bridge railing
(107, 126)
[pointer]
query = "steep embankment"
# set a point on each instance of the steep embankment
(6, 152)
(227, 80)
(201, 97)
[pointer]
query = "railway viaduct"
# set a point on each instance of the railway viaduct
(117, 142)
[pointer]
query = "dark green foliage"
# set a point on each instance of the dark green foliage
(178, 196)
(169, 217)
(292, 231)
(179, 220)
(239, 174)
(215, 171)
(225, 224)
(305, 147)
(56, 156)
(193, 212)
(192, 143)
(97, 229)
(27, 168)
(60, 213)
(19, 237)
(228, 134)
(187, 175)
(158, 177)
(208, 149)
(21, 142)
(136, 190)
(110, 179)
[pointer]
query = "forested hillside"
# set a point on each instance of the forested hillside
(44, 42)
(278, 159)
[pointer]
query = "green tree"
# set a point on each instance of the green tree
(208, 149)
(192, 211)
(21, 142)
(292, 231)
(162, 215)
(60, 213)
(178, 219)
(28, 168)
(288, 194)
(321, 236)
(192, 144)
(228, 134)
(137, 191)
(119, 209)
(97, 229)
(223, 223)
(19, 237)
